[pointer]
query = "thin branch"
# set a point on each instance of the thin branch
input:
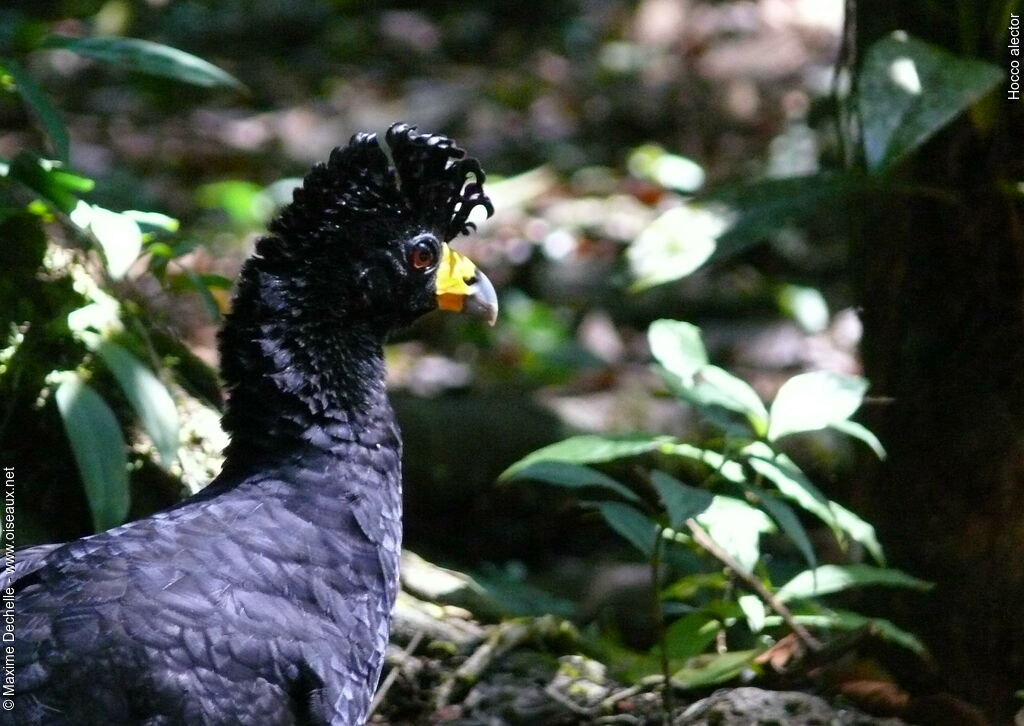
(378, 698)
(702, 538)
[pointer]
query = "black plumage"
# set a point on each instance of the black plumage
(266, 598)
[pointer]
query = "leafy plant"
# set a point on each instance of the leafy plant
(907, 91)
(719, 502)
(73, 254)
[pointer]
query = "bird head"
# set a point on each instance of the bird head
(367, 235)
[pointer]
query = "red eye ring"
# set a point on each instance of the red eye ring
(423, 255)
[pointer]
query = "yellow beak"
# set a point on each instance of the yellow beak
(462, 288)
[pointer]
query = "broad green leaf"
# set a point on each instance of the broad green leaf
(794, 485)
(754, 609)
(674, 245)
(844, 620)
(147, 395)
(632, 524)
(908, 90)
(788, 522)
(859, 431)
(681, 500)
(714, 386)
(678, 347)
(589, 449)
(736, 527)
(564, 474)
(712, 669)
(728, 469)
(690, 635)
(829, 579)
(812, 401)
(859, 530)
(40, 107)
(144, 56)
(120, 238)
(99, 450)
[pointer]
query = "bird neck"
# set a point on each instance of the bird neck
(300, 384)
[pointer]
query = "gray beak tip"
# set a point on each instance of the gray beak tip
(482, 303)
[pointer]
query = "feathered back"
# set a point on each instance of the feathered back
(423, 183)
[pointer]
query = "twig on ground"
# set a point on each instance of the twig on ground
(378, 697)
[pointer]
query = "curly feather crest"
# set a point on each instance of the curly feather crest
(424, 181)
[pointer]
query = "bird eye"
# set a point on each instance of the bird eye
(423, 254)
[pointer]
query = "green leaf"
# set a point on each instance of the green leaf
(674, 245)
(908, 90)
(764, 208)
(793, 484)
(209, 302)
(728, 469)
(788, 522)
(247, 204)
(829, 579)
(144, 56)
(632, 524)
(736, 527)
(590, 449)
(120, 238)
(147, 395)
(564, 474)
(47, 179)
(681, 500)
(845, 620)
(99, 450)
(714, 386)
(690, 635)
(859, 431)
(754, 609)
(859, 531)
(678, 347)
(788, 478)
(40, 107)
(688, 586)
(153, 219)
(712, 669)
(812, 401)
(652, 162)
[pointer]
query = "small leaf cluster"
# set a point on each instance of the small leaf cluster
(736, 493)
(95, 249)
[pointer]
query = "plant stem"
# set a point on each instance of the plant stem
(705, 541)
(659, 625)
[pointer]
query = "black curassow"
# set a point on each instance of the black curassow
(266, 598)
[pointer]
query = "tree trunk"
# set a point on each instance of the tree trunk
(942, 287)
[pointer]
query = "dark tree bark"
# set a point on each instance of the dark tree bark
(942, 288)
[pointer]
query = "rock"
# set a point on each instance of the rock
(756, 707)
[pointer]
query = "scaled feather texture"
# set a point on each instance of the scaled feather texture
(266, 598)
